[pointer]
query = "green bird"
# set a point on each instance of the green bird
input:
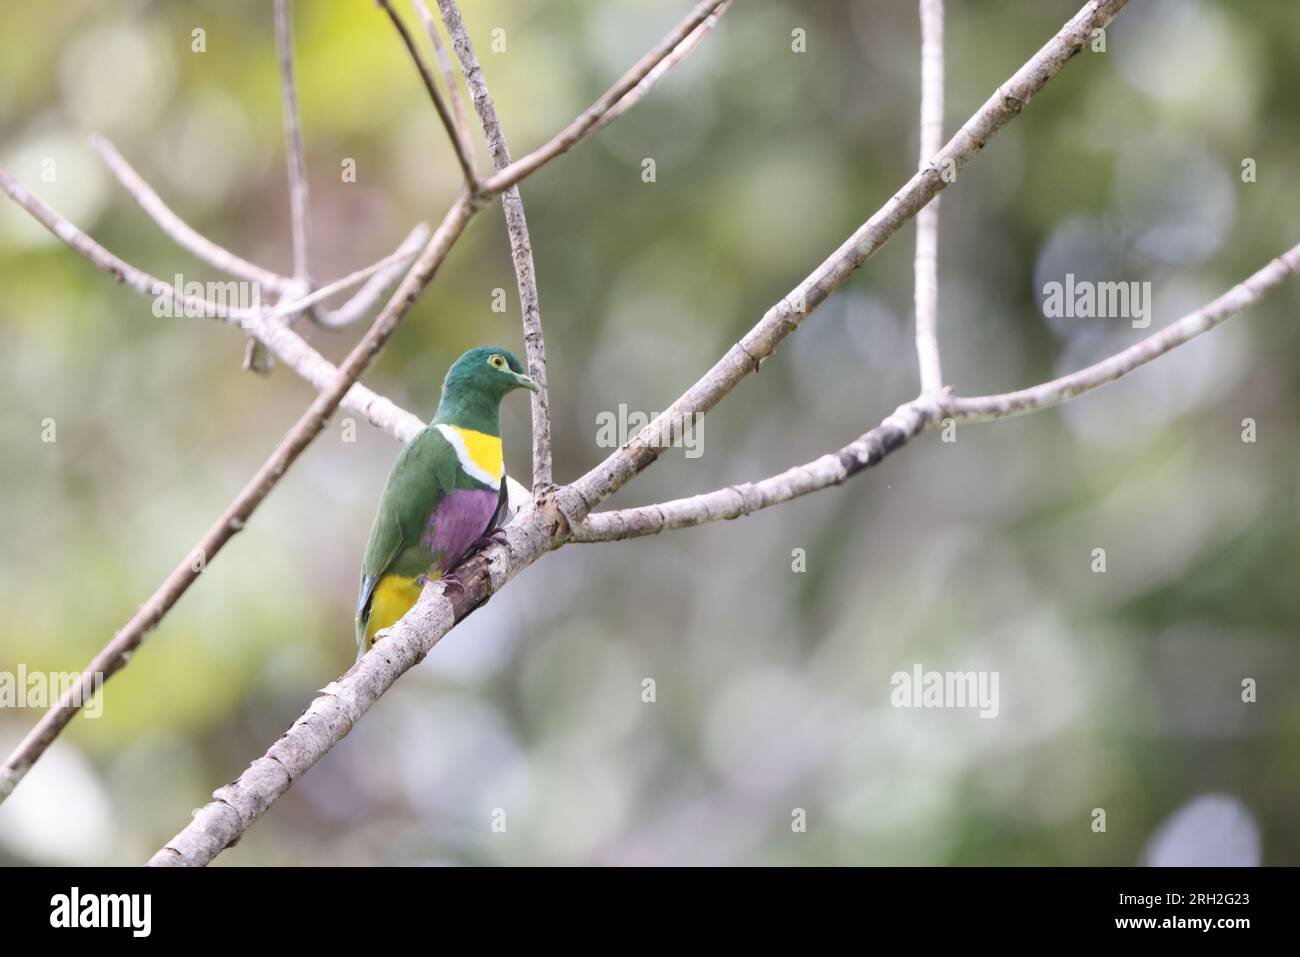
(446, 491)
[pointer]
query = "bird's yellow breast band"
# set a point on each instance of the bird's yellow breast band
(479, 453)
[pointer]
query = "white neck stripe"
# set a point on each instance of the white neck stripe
(472, 468)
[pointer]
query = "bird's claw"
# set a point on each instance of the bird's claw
(495, 537)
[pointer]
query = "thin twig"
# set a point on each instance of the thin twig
(1245, 293)
(431, 85)
(380, 274)
(249, 319)
(582, 126)
(286, 344)
(448, 79)
(521, 248)
(927, 220)
(298, 201)
(142, 282)
(180, 231)
(678, 54)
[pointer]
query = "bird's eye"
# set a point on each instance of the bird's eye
(497, 362)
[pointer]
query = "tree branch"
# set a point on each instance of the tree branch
(377, 276)
(784, 317)
(180, 231)
(330, 716)
(676, 56)
(448, 77)
(298, 203)
(430, 84)
(927, 220)
(734, 501)
(521, 248)
(586, 121)
(927, 410)
(382, 274)
(142, 282)
(1047, 394)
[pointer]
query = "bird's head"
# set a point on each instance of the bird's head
(488, 372)
(475, 385)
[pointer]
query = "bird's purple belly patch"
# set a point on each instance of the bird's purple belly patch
(458, 522)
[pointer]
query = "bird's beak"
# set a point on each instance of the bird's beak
(525, 382)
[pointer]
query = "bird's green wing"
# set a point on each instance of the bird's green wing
(424, 472)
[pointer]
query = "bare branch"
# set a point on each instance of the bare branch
(122, 271)
(114, 655)
(380, 275)
(1047, 394)
(927, 410)
(737, 500)
(181, 232)
(678, 54)
(927, 220)
(430, 84)
(582, 126)
(784, 317)
(298, 204)
(521, 247)
(330, 716)
(448, 78)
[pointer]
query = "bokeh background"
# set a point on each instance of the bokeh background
(1119, 691)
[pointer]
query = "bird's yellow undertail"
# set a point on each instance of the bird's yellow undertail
(394, 597)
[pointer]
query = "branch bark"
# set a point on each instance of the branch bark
(180, 231)
(382, 275)
(521, 247)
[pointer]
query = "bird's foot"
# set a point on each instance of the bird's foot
(451, 581)
(495, 537)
